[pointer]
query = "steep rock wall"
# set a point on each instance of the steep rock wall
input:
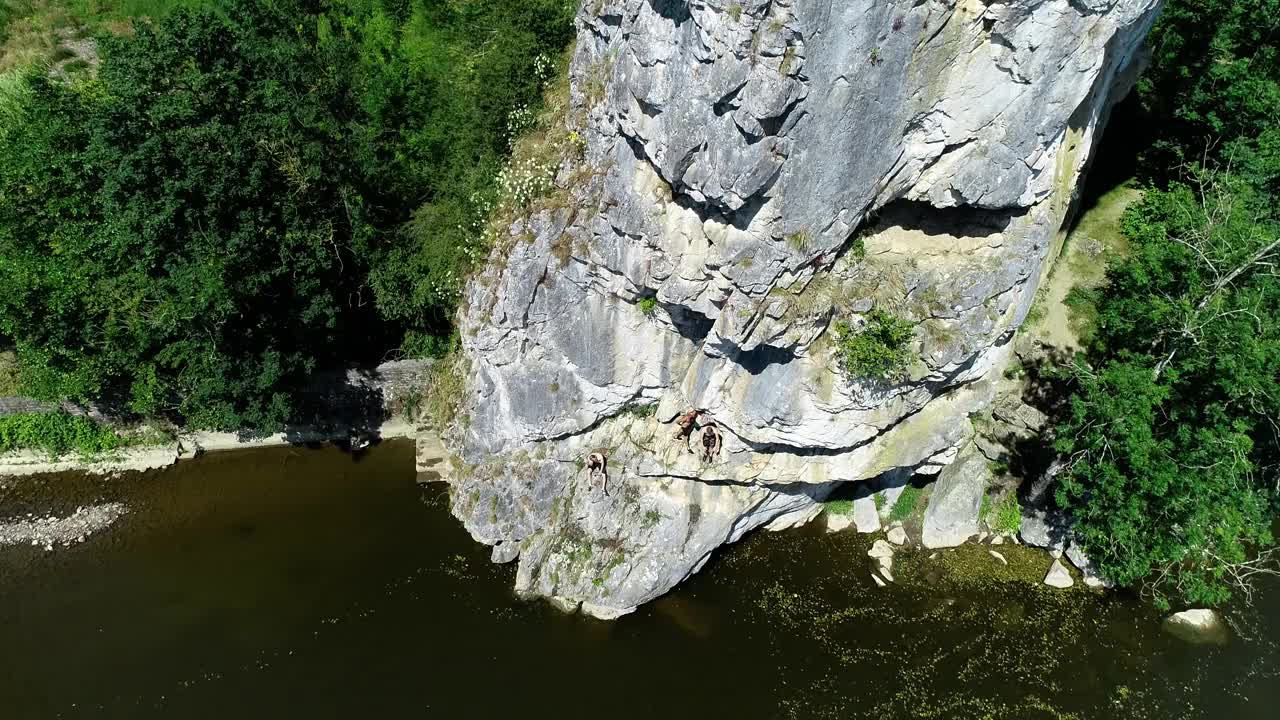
(751, 172)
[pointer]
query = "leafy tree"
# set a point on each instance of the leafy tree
(229, 201)
(176, 232)
(1214, 78)
(1173, 434)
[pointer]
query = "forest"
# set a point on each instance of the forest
(245, 191)
(226, 195)
(1172, 433)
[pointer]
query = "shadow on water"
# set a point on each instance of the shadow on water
(296, 583)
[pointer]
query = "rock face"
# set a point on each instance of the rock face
(751, 173)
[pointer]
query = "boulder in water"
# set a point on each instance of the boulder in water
(1199, 626)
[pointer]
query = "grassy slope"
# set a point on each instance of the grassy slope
(1096, 239)
(32, 30)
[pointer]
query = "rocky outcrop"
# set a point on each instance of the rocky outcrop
(750, 173)
(954, 507)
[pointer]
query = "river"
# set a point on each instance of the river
(304, 583)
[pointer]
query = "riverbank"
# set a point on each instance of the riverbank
(372, 403)
(185, 446)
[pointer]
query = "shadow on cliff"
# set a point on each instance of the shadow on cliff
(1047, 388)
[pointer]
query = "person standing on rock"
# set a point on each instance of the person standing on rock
(597, 467)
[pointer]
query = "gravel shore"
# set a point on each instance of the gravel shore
(52, 531)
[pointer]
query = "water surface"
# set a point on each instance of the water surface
(303, 583)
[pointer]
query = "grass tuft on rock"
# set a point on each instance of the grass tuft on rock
(905, 507)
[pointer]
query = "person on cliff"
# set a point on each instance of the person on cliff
(597, 464)
(684, 426)
(711, 442)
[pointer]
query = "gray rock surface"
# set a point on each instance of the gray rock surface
(865, 517)
(955, 505)
(1044, 529)
(761, 170)
(1052, 530)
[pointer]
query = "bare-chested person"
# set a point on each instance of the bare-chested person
(597, 467)
(685, 424)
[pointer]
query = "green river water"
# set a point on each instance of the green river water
(302, 583)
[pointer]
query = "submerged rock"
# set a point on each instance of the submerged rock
(746, 178)
(1200, 626)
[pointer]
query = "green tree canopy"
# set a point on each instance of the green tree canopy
(1173, 434)
(225, 204)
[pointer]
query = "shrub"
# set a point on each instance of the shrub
(639, 410)
(58, 433)
(1005, 516)
(879, 350)
(648, 305)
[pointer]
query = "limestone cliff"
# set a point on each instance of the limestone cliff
(751, 172)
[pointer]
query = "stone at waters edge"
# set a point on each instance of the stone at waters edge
(880, 549)
(897, 535)
(838, 522)
(952, 515)
(1058, 576)
(999, 558)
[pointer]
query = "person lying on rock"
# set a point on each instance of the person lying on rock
(711, 442)
(596, 466)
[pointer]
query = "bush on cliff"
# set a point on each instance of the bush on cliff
(879, 350)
